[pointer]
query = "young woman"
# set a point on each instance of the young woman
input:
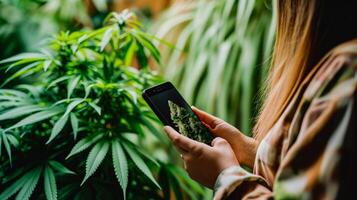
(304, 144)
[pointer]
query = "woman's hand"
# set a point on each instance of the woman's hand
(202, 162)
(243, 146)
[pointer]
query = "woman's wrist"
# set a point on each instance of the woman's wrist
(245, 149)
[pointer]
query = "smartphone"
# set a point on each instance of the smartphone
(171, 108)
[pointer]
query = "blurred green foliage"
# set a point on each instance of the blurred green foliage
(25, 23)
(222, 55)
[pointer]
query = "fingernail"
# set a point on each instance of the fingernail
(166, 128)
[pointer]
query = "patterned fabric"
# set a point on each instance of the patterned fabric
(310, 153)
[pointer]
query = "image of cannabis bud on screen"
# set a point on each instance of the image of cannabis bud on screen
(189, 124)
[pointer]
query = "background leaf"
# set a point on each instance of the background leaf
(50, 184)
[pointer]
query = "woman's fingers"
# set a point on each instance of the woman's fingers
(207, 118)
(219, 142)
(179, 140)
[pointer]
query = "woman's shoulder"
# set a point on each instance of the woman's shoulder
(335, 76)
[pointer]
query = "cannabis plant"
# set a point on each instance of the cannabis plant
(76, 127)
(189, 124)
(223, 50)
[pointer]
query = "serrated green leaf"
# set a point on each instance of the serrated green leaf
(140, 164)
(30, 184)
(95, 158)
(120, 164)
(87, 89)
(39, 116)
(50, 184)
(25, 71)
(59, 167)
(74, 124)
(58, 127)
(147, 156)
(83, 144)
(38, 56)
(96, 108)
(72, 105)
(46, 64)
(149, 45)
(34, 90)
(141, 56)
(13, 140)
(14, 98)
(66, 192)
(1, 133)
(106, 38)
(30, 63)
(71, 85)
(154, 131)
(63, 78)
(8, 192)
(20, 111)
(6, 145)
(12, 92)
(130, 53)
(10, 104)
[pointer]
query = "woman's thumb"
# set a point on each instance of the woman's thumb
(218, 141)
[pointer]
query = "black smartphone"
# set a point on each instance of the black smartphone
(173, 110)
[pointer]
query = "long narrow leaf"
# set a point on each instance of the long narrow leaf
(15, 187)
(106, 38)
(140, 164)
(96, 108)
(72, 105)
(60, 168)
(71, 85)
(6, 145)
(84, 144)
(50, 184)
(95, 158)
(20, 111)
(22, 56)
(13, 92)
(30, 184)
(13, 140)
(53, 83)
(74, 124)
(58, 127)
(120, 164)
(39, 116)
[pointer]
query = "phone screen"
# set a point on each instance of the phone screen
(174, 111)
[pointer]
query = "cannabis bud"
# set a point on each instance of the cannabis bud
(188, 124)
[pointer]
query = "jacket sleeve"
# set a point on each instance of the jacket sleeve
(321, 161)
(235, 182)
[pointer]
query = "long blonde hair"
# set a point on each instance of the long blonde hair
(306, 30)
